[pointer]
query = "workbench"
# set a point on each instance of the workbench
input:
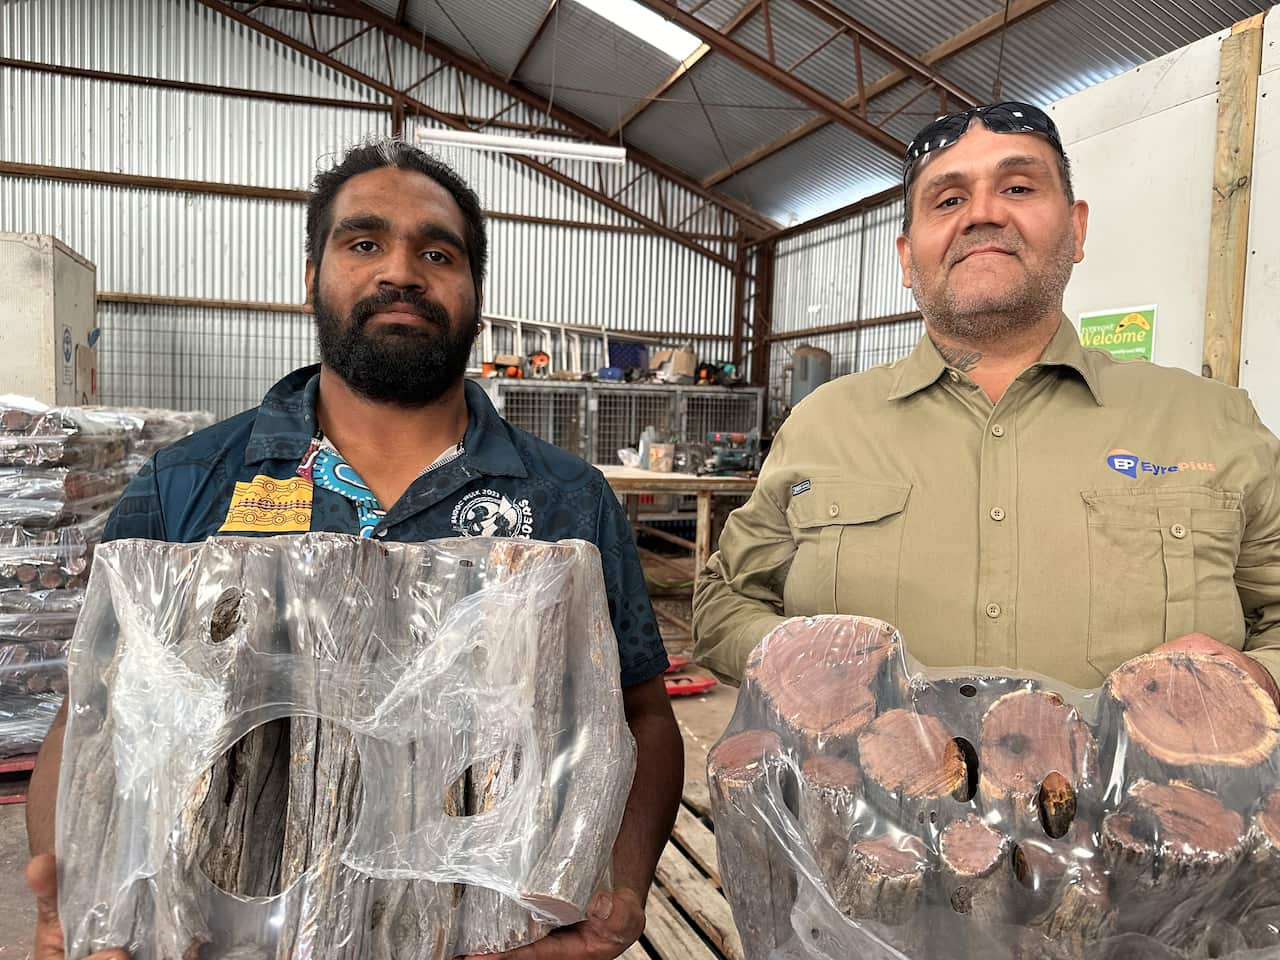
(631, 482)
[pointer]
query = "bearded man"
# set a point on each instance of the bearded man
(1002, 495)
(386, 438)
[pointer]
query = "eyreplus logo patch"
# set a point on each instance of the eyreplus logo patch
(1131, 465)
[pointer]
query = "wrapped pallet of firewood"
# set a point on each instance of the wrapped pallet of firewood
(868, 807)
(319, 746)
(33, 681)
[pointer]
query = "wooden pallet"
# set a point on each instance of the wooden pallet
(15, 775)
(687, 916)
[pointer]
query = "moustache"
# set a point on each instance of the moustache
(1011, 244)
(428, 309)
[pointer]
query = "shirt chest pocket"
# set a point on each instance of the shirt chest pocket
(848, 536)
(1161, 565)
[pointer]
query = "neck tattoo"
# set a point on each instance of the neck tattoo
(960, 359)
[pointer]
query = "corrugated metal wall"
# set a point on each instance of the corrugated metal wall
(147, 241)
(839, 273)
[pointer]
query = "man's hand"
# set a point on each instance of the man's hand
(42, 878)
(615, 920)
(1202, 643)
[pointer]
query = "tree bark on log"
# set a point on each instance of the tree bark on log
(1170, 848)
(913, 769)
(758, 882)
(824, 677)
(1259, 898)
(976, 878)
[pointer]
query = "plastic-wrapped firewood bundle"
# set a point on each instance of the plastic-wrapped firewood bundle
(33, 435)
(321, 746)
(152, 428)
(33, 681)
(866, 807)
(38, 558)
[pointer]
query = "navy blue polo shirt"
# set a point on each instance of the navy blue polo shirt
(239, 477)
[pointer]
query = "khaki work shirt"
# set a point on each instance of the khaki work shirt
(1098, 510)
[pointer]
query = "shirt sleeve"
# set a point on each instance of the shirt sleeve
(1258, 566)
(640, 648)
(738, 598)
(139, 513)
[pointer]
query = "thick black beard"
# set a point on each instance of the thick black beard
(404, 365)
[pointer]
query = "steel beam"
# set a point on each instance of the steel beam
(977, 32)
(533, 41)
(570, 120)
(836, 17)
(742, 16)
(797, 88)
(440, 117)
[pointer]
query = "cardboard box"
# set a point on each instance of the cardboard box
(674, 366)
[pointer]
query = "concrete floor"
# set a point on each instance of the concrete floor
(17, 911)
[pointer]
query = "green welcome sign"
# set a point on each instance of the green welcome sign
(1126, 334)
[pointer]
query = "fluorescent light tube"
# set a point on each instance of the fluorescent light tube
(531, 146)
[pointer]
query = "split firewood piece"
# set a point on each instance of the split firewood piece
(579, 810)
(976, 877)
(1168, 850)
(1037, 754)
(822, 677)
(914, 767)
(1195, 718)
(758, 882)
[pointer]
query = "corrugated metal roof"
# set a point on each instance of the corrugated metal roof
(1108, 37)
(744, 109)
(826, 170)
(600, 72)
(493, 33)
(593, 67)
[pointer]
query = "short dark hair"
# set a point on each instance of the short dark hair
(1064, 171)
(374, 155)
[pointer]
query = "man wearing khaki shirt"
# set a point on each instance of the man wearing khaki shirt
(1004, 496)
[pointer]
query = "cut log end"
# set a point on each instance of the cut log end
(971, 848)
(1178, 822)
(891, 857)
(739, 761)
(913, 756)
(1188, 709)
(1029, 734)
(819, 675)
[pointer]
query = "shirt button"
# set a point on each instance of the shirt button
(834, 510)
(1178, 530)
(993, 611)
(997, 514)
(955, 377)
(997, 430)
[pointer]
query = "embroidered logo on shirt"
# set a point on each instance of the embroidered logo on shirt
(802, 487)
(268, 505)
(1130, 464)
(487, 513)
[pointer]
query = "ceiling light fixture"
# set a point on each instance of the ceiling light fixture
(529, 146)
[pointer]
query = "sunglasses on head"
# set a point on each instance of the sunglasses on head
(1007, 117)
